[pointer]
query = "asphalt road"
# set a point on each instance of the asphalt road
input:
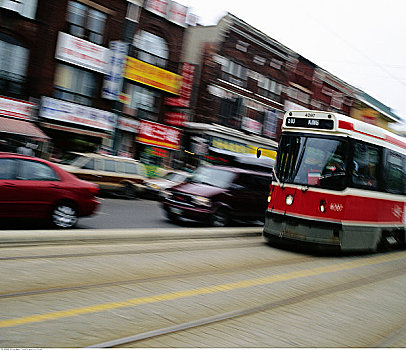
(118, 213)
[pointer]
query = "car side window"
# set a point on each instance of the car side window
(120, 167)
(7, 169)
(32, 170)
(109, 165)
(131, 168)
(89, 164)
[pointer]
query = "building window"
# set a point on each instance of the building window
(74, 84)
(14, 59)
(234, 73)
(144, 101)
(151, 48)
(85, 22)
(269, 88)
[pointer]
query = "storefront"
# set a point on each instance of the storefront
(156, 144)
(17, 129)
(75, 127)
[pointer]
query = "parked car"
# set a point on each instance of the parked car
(120, 175)
(155, 186)
(219, 194)
(35, 188)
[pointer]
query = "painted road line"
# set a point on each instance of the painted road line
(205, 290)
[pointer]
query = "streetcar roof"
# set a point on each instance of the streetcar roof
(330, 123)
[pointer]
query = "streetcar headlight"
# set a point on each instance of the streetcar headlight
(202, 201)
(269, 198)
(322, 206)
(289, 199)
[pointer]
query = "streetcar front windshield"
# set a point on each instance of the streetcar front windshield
(312, 161)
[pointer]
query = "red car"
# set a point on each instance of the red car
(35, 188)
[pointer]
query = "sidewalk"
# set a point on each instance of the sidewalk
(110, 235)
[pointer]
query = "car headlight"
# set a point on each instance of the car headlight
(202, 201)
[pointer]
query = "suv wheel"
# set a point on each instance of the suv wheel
(219, 218)
(64, 215)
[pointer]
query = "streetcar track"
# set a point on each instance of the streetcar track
(342, 287)
(206, 272)
(133, 252)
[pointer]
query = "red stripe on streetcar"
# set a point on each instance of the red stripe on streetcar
(395, 141)
(342, 124)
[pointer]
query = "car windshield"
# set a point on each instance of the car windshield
(175, 177)
(212, 176)
(313, 161)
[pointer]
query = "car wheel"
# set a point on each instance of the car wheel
(64, 215)
(219, 218)
(129, 191)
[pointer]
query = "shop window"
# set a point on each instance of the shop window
(74, 84)
(151, 48)
(234, 73)
(269, 88)
(230, 109)
(85, 22)
(14, 59)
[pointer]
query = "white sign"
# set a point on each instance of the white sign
(52, 108)
(251, 125)
(11, 107)
(128, 124)
(171, 10)
(81, 52)
(113, 81)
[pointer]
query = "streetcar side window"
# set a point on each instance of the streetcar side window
(366, 160)
(394, 176)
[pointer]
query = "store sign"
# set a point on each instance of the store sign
(113, 80)
(175, 118)
(160, 135)
(81, 52)
(150, 75)
(68, 112)
(10, 107)
(271, 123)
(171, 10)
(183, 100)
(251, 125)
(128, 124)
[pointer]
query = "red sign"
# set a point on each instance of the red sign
(11, 107)
(155, 134)
(183, 100)
(177, 119)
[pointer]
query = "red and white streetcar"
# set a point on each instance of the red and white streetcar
(338, 182)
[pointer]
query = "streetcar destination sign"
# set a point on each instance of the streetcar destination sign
(310, 123)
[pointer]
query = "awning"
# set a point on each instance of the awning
(74, 130)
(22, 127)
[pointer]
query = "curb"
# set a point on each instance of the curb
(117, 235)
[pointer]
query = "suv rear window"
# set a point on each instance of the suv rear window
(211, 176)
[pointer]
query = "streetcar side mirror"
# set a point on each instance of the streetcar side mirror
(258, 153)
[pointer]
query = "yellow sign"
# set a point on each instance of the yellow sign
(153, 76)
